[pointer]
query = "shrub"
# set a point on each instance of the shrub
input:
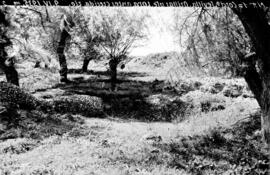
(78, 104)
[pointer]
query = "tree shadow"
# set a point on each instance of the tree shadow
(120, 74)
(130, 100)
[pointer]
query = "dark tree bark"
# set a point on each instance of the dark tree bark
(256, 25)
(113, 72)
(11, 72)
(252, 77)
(90, 53)
(85, 64)
(6, 64)
(61, 55)
(65, 25)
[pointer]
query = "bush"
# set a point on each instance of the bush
(216, 153)
(18, 146)
(38, 125)
(166, 108)
(89, 106)
(205, 102)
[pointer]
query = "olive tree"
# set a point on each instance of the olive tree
(257, 76)
(215, 41)
(120, 30)
(6, 62)
(87, 41)
(66, 24)
(48, 27)
(239, 37)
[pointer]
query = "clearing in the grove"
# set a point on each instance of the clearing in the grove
(160, 113)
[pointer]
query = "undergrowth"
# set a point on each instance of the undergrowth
(37, 125)
(233, 151)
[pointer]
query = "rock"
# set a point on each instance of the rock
(152, 138)
(197, 85)
(208, 88)
(47, 96)
(155, 151)
(208, 106)
(219, 86)
(247, 93)
(185, 88)
(218, 108)
(213, 89)
(233, 91)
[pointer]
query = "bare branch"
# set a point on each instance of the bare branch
(184, 24)
(40, 15)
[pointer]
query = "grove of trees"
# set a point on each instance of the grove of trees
(119, 31)
(219, 41)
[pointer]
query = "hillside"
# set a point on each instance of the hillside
(152, 124)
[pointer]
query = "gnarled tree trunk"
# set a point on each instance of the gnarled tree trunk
(65, 25)
(85, 64)
(256, 24)
(91, 53)
(113, 72)
(61, 55)
(11, 72)
(6, 64)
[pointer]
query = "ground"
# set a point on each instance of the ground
(153, 124)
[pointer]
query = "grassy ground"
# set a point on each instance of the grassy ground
(194, 126)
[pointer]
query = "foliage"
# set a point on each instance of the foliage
(216, 41)
(236, 150)
(37, 125)
(120, 30)
(64, 143)
(37, 31)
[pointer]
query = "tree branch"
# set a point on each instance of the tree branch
(40, 15)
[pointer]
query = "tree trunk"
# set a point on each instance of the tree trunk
(7, 64)
(62, 58)
(254, 82)
(256, 25)
(10, 72)
(85, 64)
(265, 118)
(11, 75)
(113, 73)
